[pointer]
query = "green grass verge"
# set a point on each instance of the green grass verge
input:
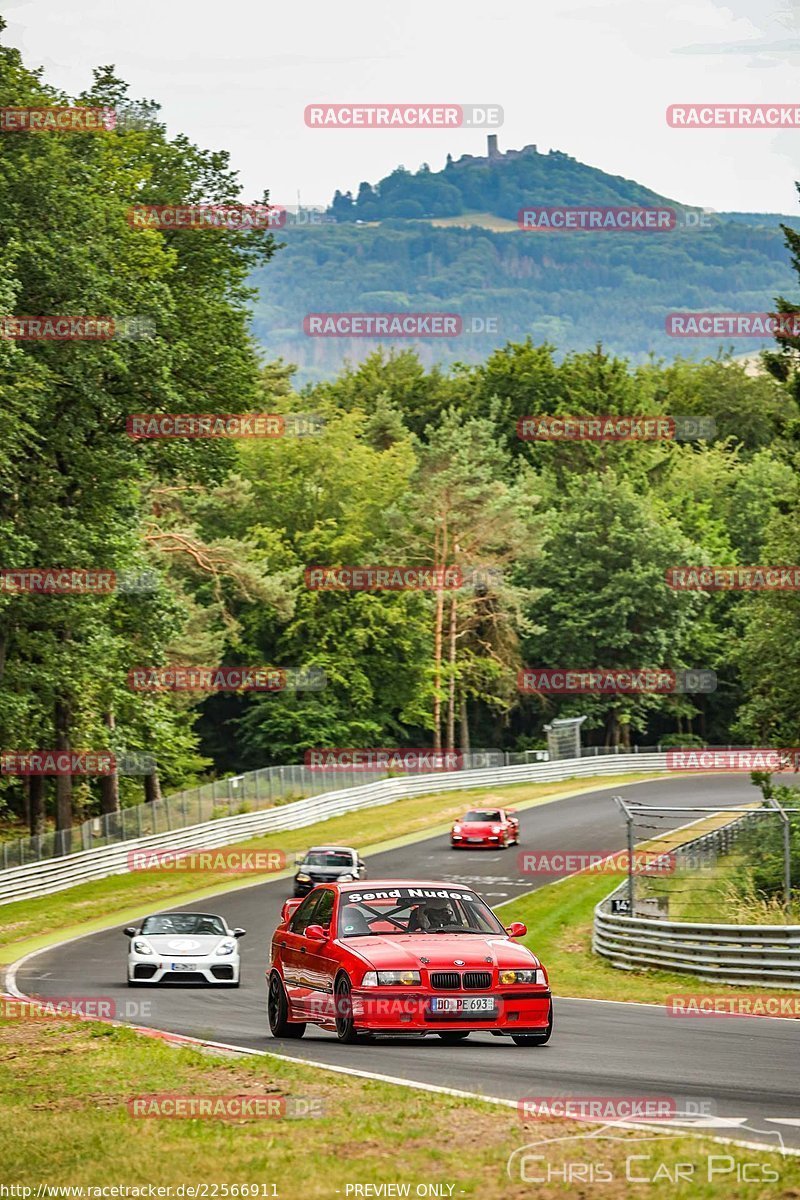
(65, 1088)
(27, 925)
(559, 919)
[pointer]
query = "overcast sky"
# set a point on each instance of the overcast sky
(590, 78)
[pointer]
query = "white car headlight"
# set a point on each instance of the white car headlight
(303, 878)
(139, 946)
(226, 947)
(496, 828)
(456, 828)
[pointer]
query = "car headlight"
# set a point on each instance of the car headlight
(303, 878)
(496, 828)
(141, 947)
(390, 978)
(456, 828)
(523, 977)
(346, 878)
(226, 947)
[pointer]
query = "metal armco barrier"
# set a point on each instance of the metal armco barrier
(55, 874)
(749, 955)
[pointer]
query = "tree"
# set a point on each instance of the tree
(607, 604)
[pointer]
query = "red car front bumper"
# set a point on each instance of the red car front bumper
(413, 1012)
(474, 841)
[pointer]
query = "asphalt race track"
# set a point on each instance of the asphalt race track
(745, 1070)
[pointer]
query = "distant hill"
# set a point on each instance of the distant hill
(448, 241)
(498, 183)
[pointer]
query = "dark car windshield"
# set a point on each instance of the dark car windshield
(198, 923)
(483, 814)
(327, 858)
(414, 911)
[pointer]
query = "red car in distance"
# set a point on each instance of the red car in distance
(403, 958)
(486, 827)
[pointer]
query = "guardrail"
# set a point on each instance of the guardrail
(55, 874)
(735, 954)
(263, 788)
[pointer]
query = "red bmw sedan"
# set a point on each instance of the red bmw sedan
(404, 958)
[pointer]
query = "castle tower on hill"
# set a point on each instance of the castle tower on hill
(494, 154)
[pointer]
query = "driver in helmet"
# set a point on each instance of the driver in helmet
(433, 914)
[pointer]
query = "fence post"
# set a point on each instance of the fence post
(629, 822)
(787, 855)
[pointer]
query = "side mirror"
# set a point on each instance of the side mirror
(516, 929)
(316, 933)
(129, 931)
(361, 865)
(288, 908)
(237, 933)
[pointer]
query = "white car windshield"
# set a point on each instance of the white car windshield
(414, 911)
(197, 923)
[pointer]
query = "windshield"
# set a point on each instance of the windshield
(414, 910)
(198, 923)
(327, 858)
(483, 814)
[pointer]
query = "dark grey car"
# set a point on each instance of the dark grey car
(327, 864)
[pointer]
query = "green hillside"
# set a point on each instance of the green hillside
(449, 241)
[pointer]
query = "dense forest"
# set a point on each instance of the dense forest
(564, 546)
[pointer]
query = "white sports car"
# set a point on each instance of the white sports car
(185, 947)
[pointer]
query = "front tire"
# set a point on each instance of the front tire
(346, 1030)
(278, 1011)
